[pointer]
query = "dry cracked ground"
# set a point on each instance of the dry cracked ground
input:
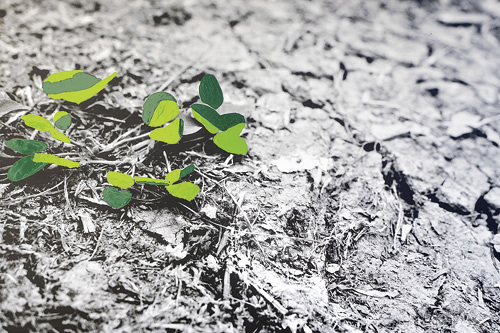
(369, 200)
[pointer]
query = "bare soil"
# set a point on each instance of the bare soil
(367, 202)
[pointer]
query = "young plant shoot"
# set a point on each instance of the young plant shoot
(119, 199)
(160, 111)
(36, 160)
(226, 127)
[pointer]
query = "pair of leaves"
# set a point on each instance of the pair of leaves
(170, 178)
(230, 124)
(29, 165)
(158, 109)
(119, 199)
(74, 86)
(43, 125)
(114, 197)
(213, 121)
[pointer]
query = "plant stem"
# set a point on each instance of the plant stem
(115, 144)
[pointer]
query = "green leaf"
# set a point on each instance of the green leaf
(159, 108)
(150, 181)
(173, 176)
(229, 120)
(74, 86)
(213, 121)
(59, 136)
(62, 120)
(230, 140)
(43, 125)
(210, 91)
(24, 168)
(116, 198)
(207, 116)
(119, 179)
(37, 122)
(186, 171)
(49, 158)
(186, 191)
(26, 147)
(170, 134)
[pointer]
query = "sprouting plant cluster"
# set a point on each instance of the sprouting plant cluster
(160, 111)
(36, 160)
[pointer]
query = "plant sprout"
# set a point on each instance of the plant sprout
(230, 124)
(118, 199)
(160, 111)
(36, 161)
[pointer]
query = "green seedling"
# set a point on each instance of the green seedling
(158, 109)
(226, 127)
(74, 86)
(43, 125)
(119, 199)
(25, 167)
(35, 161)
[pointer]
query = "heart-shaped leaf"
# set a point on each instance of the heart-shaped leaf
(170, 134)
(43, 125)
(62, 120)
(119, 179)
(74, 86)
(213, 121)
(159, 108)
(186, 191)
(24, 168)
(230, 141)
(210, 91)
(116, 198)
(150, 181)
(26, 147)
(48, 158)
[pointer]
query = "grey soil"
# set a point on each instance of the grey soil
(367, 202)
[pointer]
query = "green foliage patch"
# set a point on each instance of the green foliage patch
(160, 111)
(226, 127)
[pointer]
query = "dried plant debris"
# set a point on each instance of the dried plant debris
(255, 166)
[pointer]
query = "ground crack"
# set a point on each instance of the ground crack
(394, 177)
